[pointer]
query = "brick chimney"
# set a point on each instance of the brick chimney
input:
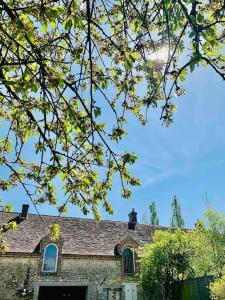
(132, 219)
(24, 212)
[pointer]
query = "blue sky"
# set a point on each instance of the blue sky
(186, 159)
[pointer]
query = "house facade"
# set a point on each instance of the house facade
(90, 261)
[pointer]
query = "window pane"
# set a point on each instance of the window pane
(50, 259)
(128, 261)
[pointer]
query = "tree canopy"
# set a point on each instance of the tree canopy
(177, 220)
(163, 262)
(154, 219)
(217, 289)
(178, 254)
(70, 72)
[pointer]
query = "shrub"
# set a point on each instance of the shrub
(217, 289)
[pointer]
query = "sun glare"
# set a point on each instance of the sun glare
(160, 55)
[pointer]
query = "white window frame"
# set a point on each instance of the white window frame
(57, 256)
(134, 266)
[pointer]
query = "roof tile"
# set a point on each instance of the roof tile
(80, 236)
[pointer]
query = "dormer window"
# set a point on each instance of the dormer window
(50, 259)
(128, 261)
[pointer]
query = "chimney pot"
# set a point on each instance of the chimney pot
(24, 212)
(132, 219)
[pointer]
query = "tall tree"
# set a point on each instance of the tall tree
(180, 254)
(164, 262)
(208, 239)
(177, 220)
(154, 219)
(214, 224)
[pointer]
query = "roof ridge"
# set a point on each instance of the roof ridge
(85, 219)
(66, 217)
(80, 235)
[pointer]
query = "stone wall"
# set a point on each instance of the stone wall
(101, 275)
(14, 272)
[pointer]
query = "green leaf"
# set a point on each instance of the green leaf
(12, 225)
(134, 55)
(58, 8)
(54, 231)
(64, 176)
(192, 65)
(97, 111)
(27, 77)
(77, 22)
(183, 74)
(192, 34)
(53, 24)
(67, 25)
(104, 85)
(128, 64)
(182, 78)
(31, 37)
(34, 88)
(33, 66)
(210, 39)
(25, 18)
(200, 18)
(44, 26)
(135, 26)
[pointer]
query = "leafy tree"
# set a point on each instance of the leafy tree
(200, 251)
(163, 262)
(70, 71)
(214, 223)
(154, 219)
(208, 240)
(217, 289)
(202, 255)
(177, 220)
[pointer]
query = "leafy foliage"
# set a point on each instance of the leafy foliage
(208, 240)
(177, 220)
(217, 289)
(70, 71)
(54, 231)
(202, 256)
(180, 254)
(163, 262)
(154, 219)
(12, 225)
(214, 223)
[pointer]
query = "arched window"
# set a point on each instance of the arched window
(50, 259)
(128, 261)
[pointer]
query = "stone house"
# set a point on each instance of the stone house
(90, 261)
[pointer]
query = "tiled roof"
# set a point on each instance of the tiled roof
(80, 236)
